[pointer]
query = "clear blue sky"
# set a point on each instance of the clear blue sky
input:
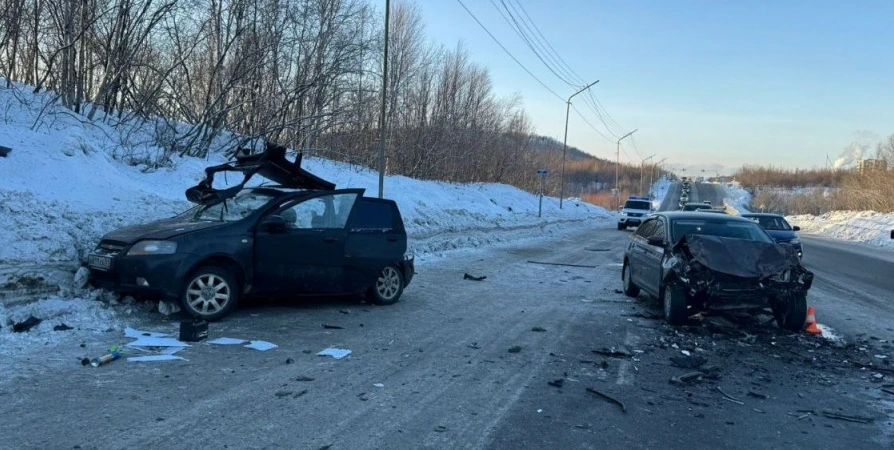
(706, 82)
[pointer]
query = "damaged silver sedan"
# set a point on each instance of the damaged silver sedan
(695, 262)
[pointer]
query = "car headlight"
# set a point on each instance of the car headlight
(794, 241)
(143, 248)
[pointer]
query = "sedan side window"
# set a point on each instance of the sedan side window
(647, 228)
(659, 230)
(324, 212)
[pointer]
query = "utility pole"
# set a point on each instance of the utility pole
(618, 165)
(565, 142)
(642, 167)
(655, 168)
(384, 101)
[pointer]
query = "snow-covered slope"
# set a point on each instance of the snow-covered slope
(737, 198)
(860, 226)
(659, 191)
(64, 185)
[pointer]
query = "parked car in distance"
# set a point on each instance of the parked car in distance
(779, 229)
(695, 206)
(693, 262)
(303, 237)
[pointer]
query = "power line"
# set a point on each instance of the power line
(513, 23)
(557, 57)
(590, 124)
(509, 53)
(532, 41)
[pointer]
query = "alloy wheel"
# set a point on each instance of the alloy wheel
(208, 294)
(388, 284)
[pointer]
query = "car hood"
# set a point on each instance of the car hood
(160, 229)
(782, 235)
(738, 257)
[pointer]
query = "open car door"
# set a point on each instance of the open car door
(271, 164)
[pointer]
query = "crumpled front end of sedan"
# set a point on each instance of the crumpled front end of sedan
(724, 273)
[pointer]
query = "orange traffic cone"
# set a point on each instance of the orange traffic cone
(811, 322)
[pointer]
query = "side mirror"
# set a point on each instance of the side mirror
(657, 241)
(797, 228)
(274, 224)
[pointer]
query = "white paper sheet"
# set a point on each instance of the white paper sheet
(261, 345)
(136, 334)
(157, 342)
(227, 341)
(337, 353)
(153, 358)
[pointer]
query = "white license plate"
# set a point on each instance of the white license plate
(99, 262)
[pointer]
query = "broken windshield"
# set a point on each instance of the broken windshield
(232, 209)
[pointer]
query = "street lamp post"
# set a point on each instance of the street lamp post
(565, 142)
(642, 167)
(655, 168)
(384, 102)
(618, 165)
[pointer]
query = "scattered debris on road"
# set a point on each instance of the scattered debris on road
(538, 329)
(686, 378)
(847, 418)
(289, 360)
(688, 362)
(559, 382)
(227, 341)
(303, 378)
(261, 345)
(440, 428)
(758, 395)
(473, 278)
(379, 385)
(337, 353)
(515, 349)
(621, 352)
(283, 394)
(26, 325)
(62, 327)
(729, 397)
(563, 264)
(608, 397)
(333, 327)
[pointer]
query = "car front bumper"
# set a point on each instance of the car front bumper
(627, 220)
(157, 275)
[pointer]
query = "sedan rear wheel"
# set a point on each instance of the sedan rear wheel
(389, 286)
(211, 293)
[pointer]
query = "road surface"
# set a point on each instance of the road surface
(436, 371)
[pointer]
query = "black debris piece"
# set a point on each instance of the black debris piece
(303, 378)
(85, 361)
(345, 311)
(333, 327)
(473, 278)
(618, 291)
(4, 151)
(440, 428)
(846, 418)
(62, 327)
(283, 394)
(686, 378)
(474, 346)
(559, 382)
(515, 349)
(300, 394)
(758, 395)
(620, 352)
(607, 397)
(289, 360)
(538, 329)
(28, 324)
(688, 362)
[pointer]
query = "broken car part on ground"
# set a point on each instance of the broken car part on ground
(694, 262)
(301, 237)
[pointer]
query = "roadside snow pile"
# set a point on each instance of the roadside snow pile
(860, 226)
(737, 198)
(659, 191)
(65, 185)
(60, 318)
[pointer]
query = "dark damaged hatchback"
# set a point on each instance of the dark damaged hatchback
(300, 237)
(694, 262)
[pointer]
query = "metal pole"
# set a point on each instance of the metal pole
(618, 165)
(384, 98)
(540, 206)
(642, 166)
(565, 142)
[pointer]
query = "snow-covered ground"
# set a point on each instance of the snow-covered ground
(65, 184)
(659, 191)
(867, 227)
(738, 199)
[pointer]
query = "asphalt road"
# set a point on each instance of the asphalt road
(446, 377)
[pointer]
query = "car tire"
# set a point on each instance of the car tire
(622, 227)
(675, 304)
(630, 288)
(204, 291)
(389, 286)
(791, 314)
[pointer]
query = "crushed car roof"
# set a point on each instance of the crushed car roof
(271, 164)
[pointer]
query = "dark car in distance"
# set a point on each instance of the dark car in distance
(693, 262)
(303, 238)
(779, 229)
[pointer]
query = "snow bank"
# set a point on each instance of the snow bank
(860, 226)
(68, 181)
(737, 198)
(659, 191)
